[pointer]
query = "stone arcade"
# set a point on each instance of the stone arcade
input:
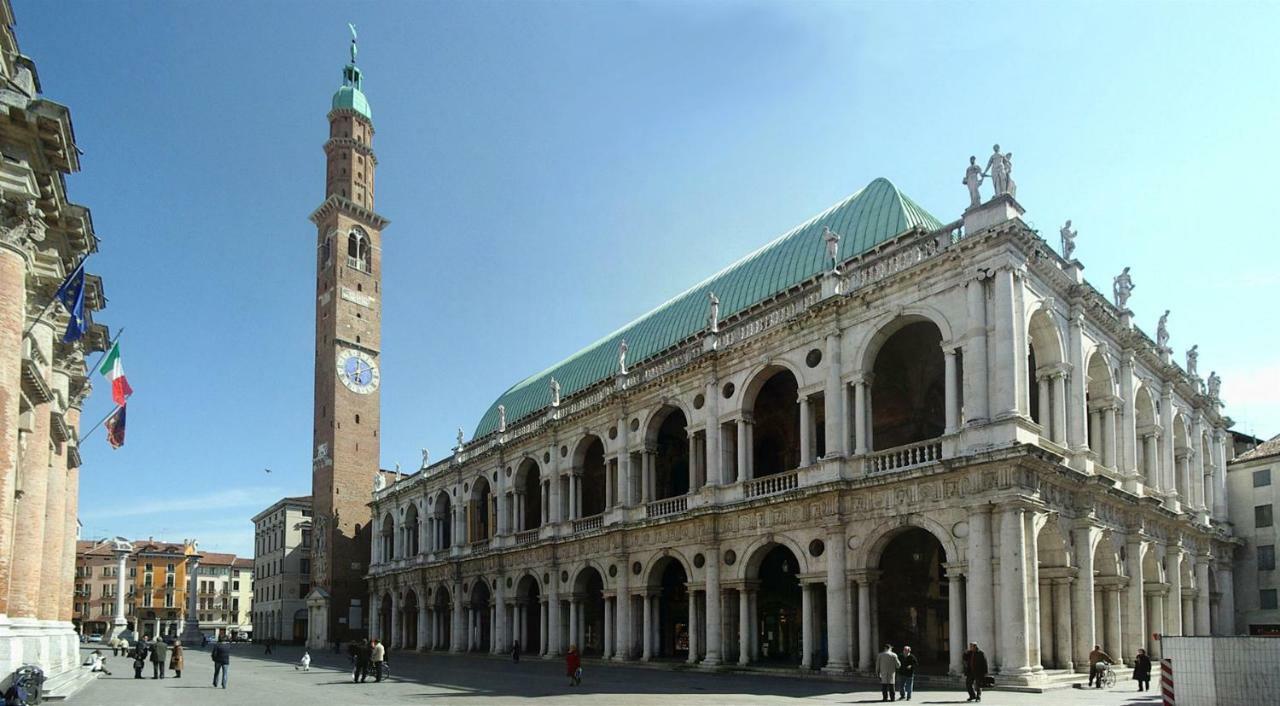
(942, 435)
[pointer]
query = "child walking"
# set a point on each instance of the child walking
(305, 662)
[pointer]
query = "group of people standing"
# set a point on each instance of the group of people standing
(897, 673)
(157, 652)
(366, 655)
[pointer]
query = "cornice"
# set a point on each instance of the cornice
(338, 204)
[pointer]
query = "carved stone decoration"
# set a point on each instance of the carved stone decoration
(460, 438)
(502, 418)
(1215, 385)
(832, 240)
(622, 357)
(998, 169)
(426, 457)
(1122, 287)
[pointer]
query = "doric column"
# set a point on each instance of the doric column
(1219, 450)
(422, 623)
(860, 425)
(118, 622)
(1135, 628)
(1031, 562)
(1167, 482)
(1114, 623)
(1045, 410)
(457, 638)
(1129, 423)
(744, 624)
(955, 614)
(1077, 392)
(715, 474)
(1156, 624)
(806, 433)
(744, 448)
(833, 399)
(1015, 595)
(837, 602)
(1151, 459)
(1095, 432)
(1082, 603)
(553, 486)
(191, 631)
(544, 629)
(693, 626)
(1059, 424)
(865, 649)
(1062, 622)
(806, 625)
(1173, 604)
(713, 607)
(950, 389)
(980, 603)
(976, 408)
(1005, 402)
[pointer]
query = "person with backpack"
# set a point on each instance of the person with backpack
(221, 657)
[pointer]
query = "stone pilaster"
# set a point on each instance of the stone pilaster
(13, 305)
(25, 583)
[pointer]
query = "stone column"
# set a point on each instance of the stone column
(1202, 596)
(1044, 406)
(1129, 424)
(1151, 460)
(744, 624)
(1059, 382)
(544, 629)
(55, 511)
(713, 608)
(1167, 481)
(1005, 402)
(833, 396)
(1188, 613)
(744, 448)
(1015, 596)
(575, 611)
(955, 614)
(423, 621)
(952, 404)
(837, 602)
(1114, 623)
(980, 603)
(806, 625)
(806, 433)
(1135, 629)
(1062, 624)
(865, 648)
(1082, 604)
(13, 314)
(1109, 436)
(70, 520)
(1031, 555)
(553, 486)
(860, 425)
(1227, 604)
(693, 626)
(1173, 605)
(1219, 450)
(191, 631)
(457, 638)
(1156, 624)
(118, 622)
(715, 473)
(1196, 469)
(1077, 383)
(646, 632)
(975, 353)
(25, 584)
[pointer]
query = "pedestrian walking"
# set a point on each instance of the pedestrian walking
(975, 671)
(887, 664)
(573, 666)
(1098, 663)
(1142, 670)
(159, 653)
(305, 662)
(379, 656)
(124, 647)
(364, 654)
(115, 646)
(515, 651)
(907, 674)
(269, 642)
(221, 657)
(139, 658)
(176, 659)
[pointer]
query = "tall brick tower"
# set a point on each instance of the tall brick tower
(348, 338)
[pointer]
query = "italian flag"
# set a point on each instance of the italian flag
(113, 370)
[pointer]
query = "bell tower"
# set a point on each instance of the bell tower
(345, 444)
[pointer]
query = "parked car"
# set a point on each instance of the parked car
(95, 637)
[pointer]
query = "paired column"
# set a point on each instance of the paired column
(980, 606)
(834, 400)
(713, 607)
(866, 651)
(1058, 383)
(1015, 595)
(955, 613)
(1134, 627)
(861, 435)
(1062, 624)
(13, 308)
(714, 462)
(806, 433)
(837, 602)
(1082, 604)
(26, 582)
(1173, 603)
(744, 448)
(975, 355)
(744, 622)
(952, 412)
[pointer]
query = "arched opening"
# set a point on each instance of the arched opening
(1053, 560)
(442, 513)
(529, 481)
(671, 462)
(1108, 582)
(300, 625)
(480, 511)
(442, 616)
(1100, 398)
(1153, 583)
(409, 621)
(384, 617)
(778, 628)
(388, 536)
(669, 578)
(528, 610)
(1182, 459)
(478, 623)
(588, 593)
(1148, 453)
(358, 250)
(1046, 379)
(412, 532)
(592, 476)
(775, 431)
(908, 388)
(912, 598)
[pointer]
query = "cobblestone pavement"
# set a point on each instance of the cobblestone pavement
(256, 679)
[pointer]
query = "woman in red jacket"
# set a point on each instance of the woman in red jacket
(573, 666)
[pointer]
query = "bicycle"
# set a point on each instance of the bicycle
(27, 687)
(1108, 677)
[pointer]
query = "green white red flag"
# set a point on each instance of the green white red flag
(113, 369)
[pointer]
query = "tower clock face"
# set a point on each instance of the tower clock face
(358, 371)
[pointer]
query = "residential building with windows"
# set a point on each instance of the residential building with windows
(1252, 482)
(224, 589)
(156, 598)
(282, 570)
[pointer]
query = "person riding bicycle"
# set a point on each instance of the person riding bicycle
(1098, 663)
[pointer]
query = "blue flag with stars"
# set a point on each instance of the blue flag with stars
(71, 294)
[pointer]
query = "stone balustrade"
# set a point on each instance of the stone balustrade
(901, 458)
(771, 485)
(669, 506)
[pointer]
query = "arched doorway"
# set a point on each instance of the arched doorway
(300, 625)
(409, 621)
(528, 609)
(778, 605)
(384, 617)
(669, 578)
(588, 591)
(592, 476)
(529, 481)
(911, 598)
(775, 432)
(477, 623)
(1053, 559)
(671, 464)
(908, 389)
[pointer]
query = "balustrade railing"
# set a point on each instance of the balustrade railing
(904, 457)
(480, 544)
(527, 537)
(771, 485)
(669, 506)
(587, 524)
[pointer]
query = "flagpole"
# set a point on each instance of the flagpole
(100, 423)
(46, 308)
(105, 352)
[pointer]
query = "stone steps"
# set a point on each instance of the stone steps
(62, 685)
(1049, 680)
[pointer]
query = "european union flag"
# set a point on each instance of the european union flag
(71, 294)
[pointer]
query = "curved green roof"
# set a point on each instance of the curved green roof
(352, 98)
(869, 217)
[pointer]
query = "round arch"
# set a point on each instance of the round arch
(480, 502)
(755, 552)
(589, 463)
(528, 484)
(867, 349)
(760, 374)
(869, 554)
(653, 568)
(908, 384)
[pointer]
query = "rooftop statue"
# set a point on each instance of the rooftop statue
(379, 482)
(1122, 287)
(353, 42)
(426, 457)
(1010, 186)
(555, 392)
(1162, 331)
(833, 248)
(1193, 356)
(1068, 240)
(713, 321)
(622, 357)
(998, 170)
(1215, 385)
(973, 180)
(460, 437)
(502, 417)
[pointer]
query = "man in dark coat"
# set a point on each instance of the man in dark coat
(1142, 670)
(364, 655)
(975, 671)
(159, 655)
(139, 658)
(221, 657)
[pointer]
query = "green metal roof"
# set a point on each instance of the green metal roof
(349, 95)
(871, 216)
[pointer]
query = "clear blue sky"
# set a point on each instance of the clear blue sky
(552, 170)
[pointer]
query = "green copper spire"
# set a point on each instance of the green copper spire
(350, 96)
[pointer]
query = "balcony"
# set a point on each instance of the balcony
(669, 506)
(771, 485)
(902, 458)
(526, 537)
(588, 524)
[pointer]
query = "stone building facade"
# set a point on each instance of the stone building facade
(880, 427)
(1252, 479)
(224, 590)
(282, 567)
(43, 238)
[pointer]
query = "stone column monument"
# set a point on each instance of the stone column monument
(191, 631)
(122, 549)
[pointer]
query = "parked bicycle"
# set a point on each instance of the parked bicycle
(27, 688)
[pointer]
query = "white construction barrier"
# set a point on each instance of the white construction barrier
(1220, 671)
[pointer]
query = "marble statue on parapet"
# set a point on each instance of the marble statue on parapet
(1215, 385)
(1122, 287)
(426, 458)
(397, 471)
(1193, 357)
(1010, 186)
(832, 240)
(502, 417)
(713, 321)
(1068, 240)
(460, 437)
(555, 392)
(973, 180)
(379, 482)
(998, 170)
(1162, 331)
(622, 357)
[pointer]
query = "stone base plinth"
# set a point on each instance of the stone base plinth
(994, 212)
(52, 645)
